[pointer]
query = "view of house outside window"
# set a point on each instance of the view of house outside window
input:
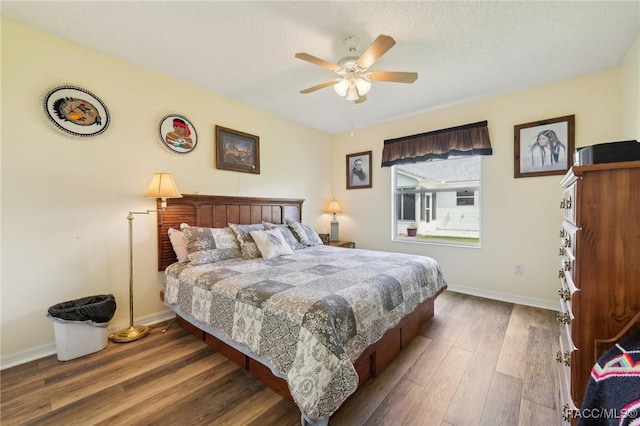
(438, 198)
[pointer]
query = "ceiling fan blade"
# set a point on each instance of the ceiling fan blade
(393, 76)
(317, 61)
(378, 48)
(320, 86)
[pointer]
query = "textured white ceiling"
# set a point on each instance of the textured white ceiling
(245, 50)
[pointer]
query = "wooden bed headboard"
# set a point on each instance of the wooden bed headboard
(216, 211)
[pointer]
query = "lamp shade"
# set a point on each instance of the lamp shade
(162, 186)
(334, 207)
(352, 93)
(341, 87)
(363, 86)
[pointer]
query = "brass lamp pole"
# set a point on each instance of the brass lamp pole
(162, 186)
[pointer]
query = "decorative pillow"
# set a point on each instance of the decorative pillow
(247, 245)
(305, 234)
(179, 246)
(286, 233)
(208, 245)
(271, 243)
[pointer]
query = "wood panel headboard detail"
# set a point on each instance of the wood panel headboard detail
(216, 211)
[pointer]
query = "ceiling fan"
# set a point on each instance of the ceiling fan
(354, 81)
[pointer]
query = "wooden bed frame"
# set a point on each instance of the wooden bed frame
(218, 211)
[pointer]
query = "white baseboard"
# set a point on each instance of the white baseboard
(42, 351)
(504, 297)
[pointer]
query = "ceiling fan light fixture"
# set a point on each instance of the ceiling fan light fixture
(354, 81)
(363, 86)
(341, 87)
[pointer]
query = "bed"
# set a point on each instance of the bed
(315, 322)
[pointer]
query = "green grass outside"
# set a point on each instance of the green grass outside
(447, 238)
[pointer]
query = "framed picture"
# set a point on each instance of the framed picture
(237, 151)
(359, 170)
(544, 148)
(76, 111)
(177, 133)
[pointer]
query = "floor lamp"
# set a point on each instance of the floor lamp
(334, 207)
(163, 187)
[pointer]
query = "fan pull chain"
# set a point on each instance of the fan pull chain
(353, 112)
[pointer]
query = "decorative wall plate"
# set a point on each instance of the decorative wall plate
(178, 134)
(76, 111)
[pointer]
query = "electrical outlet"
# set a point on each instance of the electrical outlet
(518, 269)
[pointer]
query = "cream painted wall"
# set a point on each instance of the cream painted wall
(630, 92)
(520, 217)
(65, 200)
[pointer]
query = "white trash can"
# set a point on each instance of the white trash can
(75, 339)
(81, 326)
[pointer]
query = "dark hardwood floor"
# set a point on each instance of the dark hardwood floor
(478, 362)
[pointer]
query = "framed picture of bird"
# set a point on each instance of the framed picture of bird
(76, 111)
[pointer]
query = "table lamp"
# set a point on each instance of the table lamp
(334, 207)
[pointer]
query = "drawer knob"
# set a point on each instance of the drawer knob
(558, 356)
(560, 273)
(562, 251)
(565, 294)
(564, 358)
(567, 265)
(568, 414)
(567, 241)
(563, 318)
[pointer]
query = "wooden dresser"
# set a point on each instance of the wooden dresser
(599, 270)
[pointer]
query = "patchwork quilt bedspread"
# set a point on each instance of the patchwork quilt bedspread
(310, 314)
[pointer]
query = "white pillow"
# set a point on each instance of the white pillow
(179, 246)
(271, 243)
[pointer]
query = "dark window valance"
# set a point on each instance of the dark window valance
(469, 139)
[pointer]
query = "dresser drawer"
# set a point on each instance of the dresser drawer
(567, 408)
(567, 289)
(568, 204)
(569, 239)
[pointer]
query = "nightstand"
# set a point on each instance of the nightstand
(345, 244)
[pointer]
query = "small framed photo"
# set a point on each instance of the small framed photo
(76, 111)
(237, 151)
(544, 148)
(177, 133)
(359, 170)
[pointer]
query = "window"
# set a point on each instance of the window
(465, 197)
(442, 197)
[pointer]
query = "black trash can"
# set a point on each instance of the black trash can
(81, 326)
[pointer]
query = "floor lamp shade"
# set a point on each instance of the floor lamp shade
(334, 207)
(163, 187)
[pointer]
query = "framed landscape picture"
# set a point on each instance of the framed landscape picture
(545, 147)
(237, 151)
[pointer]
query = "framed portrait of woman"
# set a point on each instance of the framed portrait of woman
(545, 147)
